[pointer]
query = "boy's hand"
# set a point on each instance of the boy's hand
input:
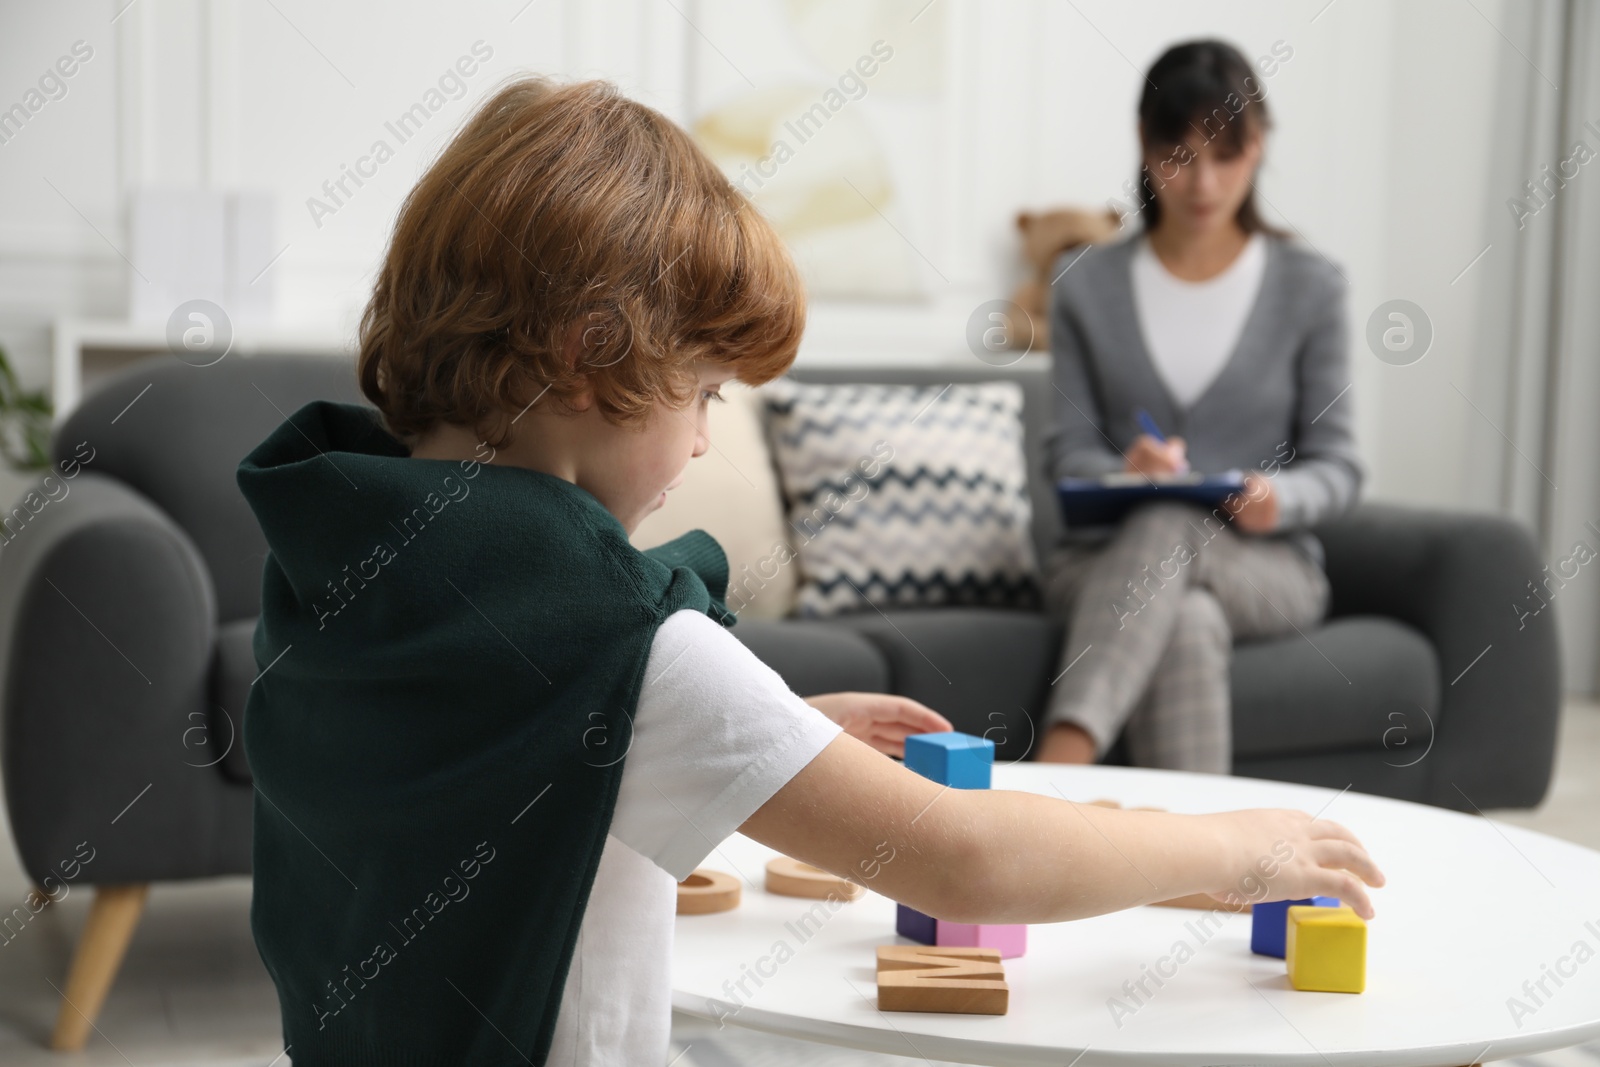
(882, 720)
(1283, 854)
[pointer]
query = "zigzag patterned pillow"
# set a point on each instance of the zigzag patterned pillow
(904, 495)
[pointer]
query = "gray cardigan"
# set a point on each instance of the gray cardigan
(1279, 405)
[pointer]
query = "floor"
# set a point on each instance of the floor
(192, 990)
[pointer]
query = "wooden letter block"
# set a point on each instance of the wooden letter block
(965, 981)
(790, 878)
(706, 891)
(1326, 949)
(951, 758)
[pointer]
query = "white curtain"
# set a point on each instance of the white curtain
(1539, 346)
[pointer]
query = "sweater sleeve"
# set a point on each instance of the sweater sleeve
(1076, 445)
(1324, 476)
(703, 554)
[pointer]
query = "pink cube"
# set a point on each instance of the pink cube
(1011, 939)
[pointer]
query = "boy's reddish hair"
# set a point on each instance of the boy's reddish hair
(562, 204)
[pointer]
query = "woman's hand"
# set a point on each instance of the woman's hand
(1282, 854)
(882, 720)
(1155, 459)
(1256, 509)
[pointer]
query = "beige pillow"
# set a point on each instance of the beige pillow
(732, 493)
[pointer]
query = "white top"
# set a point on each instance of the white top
(715, 734)
(1191, 328)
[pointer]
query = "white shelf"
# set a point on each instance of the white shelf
(84, 350)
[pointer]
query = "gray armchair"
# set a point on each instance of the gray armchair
(128, 597)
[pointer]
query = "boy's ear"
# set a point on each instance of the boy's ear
(574, 351)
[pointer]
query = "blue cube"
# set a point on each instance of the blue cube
(1269, 923)
(909, 922)
(951, 758)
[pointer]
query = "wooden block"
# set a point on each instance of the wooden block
(964, 981)
(951, 758)
(790, 877)
(1010, 938)
(976, 961)
(706, 891)
(1104, 802)
(1200, 902)
(1325, 949)
(909, 922)
(1269, 921)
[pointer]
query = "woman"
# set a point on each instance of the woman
(1220, 331)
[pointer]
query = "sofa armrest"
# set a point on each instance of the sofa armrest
(107, 635)
(1463, 579)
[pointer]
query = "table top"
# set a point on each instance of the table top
(1475, 915)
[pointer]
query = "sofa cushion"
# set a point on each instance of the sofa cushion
(815, 657)
(905, 495)
(1358, 682)
(985, 669)
(220, 740)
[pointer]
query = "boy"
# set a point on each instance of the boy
(489, 735)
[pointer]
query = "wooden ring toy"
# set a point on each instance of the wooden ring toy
(790, 877)
(706, 891)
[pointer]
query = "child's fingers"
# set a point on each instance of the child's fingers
(915, 717)
(1327, 828)
(1352, 858)
(1349, 890)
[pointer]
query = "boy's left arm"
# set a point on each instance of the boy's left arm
(882, 720)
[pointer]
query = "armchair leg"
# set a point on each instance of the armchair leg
(112, 919)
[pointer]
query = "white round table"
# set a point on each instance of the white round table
(1472, 911)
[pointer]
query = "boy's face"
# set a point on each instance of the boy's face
(640, 465)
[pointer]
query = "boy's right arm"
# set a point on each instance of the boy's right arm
(1002, 856)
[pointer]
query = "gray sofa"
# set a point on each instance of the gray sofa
(129, 592)
(1374, 698)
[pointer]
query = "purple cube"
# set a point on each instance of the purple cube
(909, 922)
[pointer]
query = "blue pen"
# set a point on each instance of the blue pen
(1148, 425)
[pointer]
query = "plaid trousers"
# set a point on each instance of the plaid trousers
(1151, 617)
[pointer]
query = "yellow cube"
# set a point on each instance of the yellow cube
(1325, 949)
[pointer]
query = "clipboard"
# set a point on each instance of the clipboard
(1106, 500)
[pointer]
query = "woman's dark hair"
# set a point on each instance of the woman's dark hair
(1209, 88)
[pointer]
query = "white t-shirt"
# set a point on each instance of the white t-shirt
(715, 734)
(1191, 328)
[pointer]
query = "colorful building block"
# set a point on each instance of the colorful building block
(1011, 939)
(1268, 922)
(1325, 949)
(951, 758)
(909, 922)
(960, 761)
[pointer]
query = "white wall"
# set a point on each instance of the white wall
(1381, 159)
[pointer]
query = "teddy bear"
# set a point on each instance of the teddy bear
(1044, 237)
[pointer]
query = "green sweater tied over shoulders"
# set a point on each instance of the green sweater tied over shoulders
(450, 656)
